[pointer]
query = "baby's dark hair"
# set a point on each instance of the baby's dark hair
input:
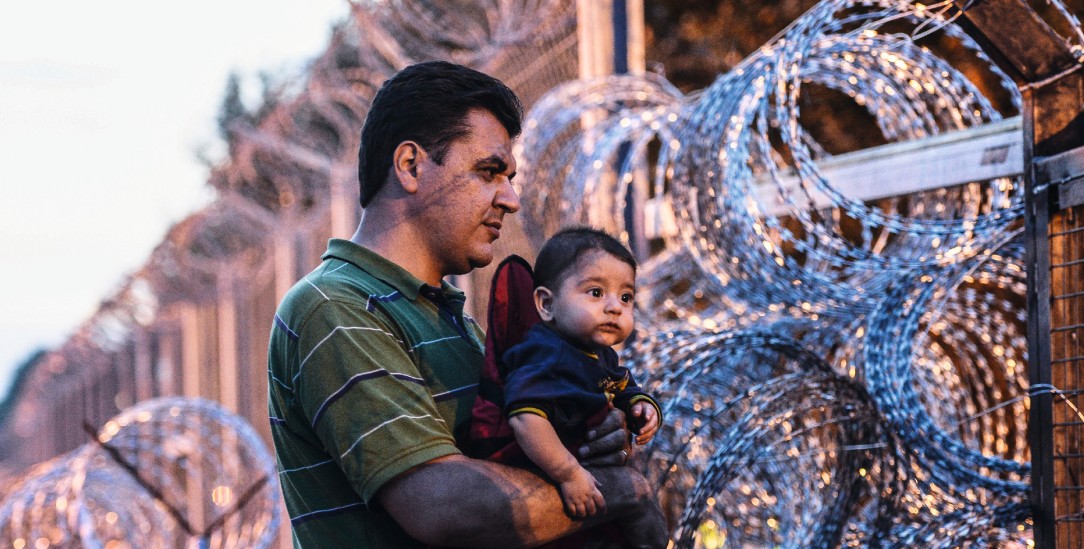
(562, 250)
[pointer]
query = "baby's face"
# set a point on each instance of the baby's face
(593, 306)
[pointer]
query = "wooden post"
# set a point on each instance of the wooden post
(611, 41)
(285, 250)
(227, 340)
(144, 370)
(342, 211)
(190, 350)
(601, 25)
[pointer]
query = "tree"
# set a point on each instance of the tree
(232, 111)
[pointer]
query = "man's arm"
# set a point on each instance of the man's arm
(458, 501)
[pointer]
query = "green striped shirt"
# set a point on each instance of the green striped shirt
(370, 372)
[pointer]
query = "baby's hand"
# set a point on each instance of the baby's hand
(645, 421)
(580, 494)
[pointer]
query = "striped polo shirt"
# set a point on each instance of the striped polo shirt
(370, 372)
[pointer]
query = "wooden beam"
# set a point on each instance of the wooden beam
(1066, 172)
(981, 153)
(1032, 49)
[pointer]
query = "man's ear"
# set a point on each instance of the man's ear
(405, 160)
(543, 302)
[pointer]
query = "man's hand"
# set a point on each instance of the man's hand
(607, 443)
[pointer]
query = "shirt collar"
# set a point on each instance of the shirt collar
(553, 334)
(384, 269)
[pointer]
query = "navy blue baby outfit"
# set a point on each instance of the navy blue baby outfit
(550, 377)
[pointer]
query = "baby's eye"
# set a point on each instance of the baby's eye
(626, 298)
(595, 292)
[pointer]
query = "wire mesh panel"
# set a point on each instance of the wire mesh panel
(1066, 240)
(1056, 330)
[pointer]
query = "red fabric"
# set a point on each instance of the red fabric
(511, 314)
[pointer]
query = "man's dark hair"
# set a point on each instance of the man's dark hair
(561, 252)
(428, 103)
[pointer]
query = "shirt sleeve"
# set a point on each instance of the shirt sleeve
(360, 390)
(632, 393)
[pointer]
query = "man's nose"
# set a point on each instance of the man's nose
(507, 199)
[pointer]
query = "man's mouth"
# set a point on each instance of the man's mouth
(495, 225)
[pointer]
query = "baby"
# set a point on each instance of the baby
(564, 376)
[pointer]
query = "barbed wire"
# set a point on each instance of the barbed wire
(833, 370)
(164, 473)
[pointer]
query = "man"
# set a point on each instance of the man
(373, 367)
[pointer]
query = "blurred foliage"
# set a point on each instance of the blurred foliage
(18, 379)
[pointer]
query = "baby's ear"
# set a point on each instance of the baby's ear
(543, 302)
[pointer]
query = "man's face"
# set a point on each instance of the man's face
(465, 198)
(593, 307)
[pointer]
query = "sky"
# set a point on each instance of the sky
(103, 107)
